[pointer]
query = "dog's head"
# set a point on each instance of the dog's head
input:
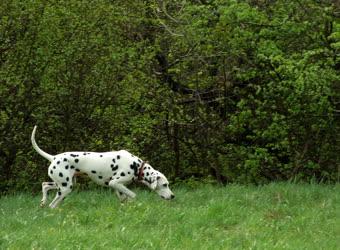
(160, 184)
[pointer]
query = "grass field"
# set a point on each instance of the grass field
(276, 216)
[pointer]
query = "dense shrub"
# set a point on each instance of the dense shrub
(246, 91)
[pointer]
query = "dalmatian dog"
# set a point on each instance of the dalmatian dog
(112, 169)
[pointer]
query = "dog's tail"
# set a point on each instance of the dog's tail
(36, 147)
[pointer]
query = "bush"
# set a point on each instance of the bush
(242, 91)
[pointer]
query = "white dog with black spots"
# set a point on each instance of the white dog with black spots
(112, 169)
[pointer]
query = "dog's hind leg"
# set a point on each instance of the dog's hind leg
(46, 186)
(61, 194)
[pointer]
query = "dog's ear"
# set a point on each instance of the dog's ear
(154, 182)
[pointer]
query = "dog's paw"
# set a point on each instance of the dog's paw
(123, 198)
(126, 201)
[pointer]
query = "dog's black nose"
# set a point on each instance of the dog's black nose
(172, 196)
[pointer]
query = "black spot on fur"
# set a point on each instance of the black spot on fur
(118, 178)
(114, 173)
(134, 166)
(72, 167)
(50, 184)
(114, 168)
(147, 174)
(73, 155)
(53, 167)
(61, 174)
(106, 183)
(51, 172)
(59, 193)
(71, 187)
(84, 153)
(93, 172)
(139, 160)
(65, 159)
(66, 167)
(118, 157)
(58, 162)
(64, 184)
(122, 174)
(114, 160)
(101, 155)
(76, 160)
(77, 170)
(100, 177)
(67, 179)
(129, 173)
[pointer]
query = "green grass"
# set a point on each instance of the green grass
(276, 216)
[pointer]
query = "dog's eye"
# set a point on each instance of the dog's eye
(165, 185)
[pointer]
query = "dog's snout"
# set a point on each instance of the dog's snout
(168, 197)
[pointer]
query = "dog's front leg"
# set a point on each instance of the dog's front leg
(121, 196)
(120, 188)
(46, 186)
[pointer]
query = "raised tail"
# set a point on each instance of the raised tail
(36, 147)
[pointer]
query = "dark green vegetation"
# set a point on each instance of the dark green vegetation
(246, 91)
(276, 216)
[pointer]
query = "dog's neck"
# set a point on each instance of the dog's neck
(141, 171)
(146, 173)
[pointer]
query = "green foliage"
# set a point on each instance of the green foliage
(273, 71)
(245, 91)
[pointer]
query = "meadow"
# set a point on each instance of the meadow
(202, 216)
